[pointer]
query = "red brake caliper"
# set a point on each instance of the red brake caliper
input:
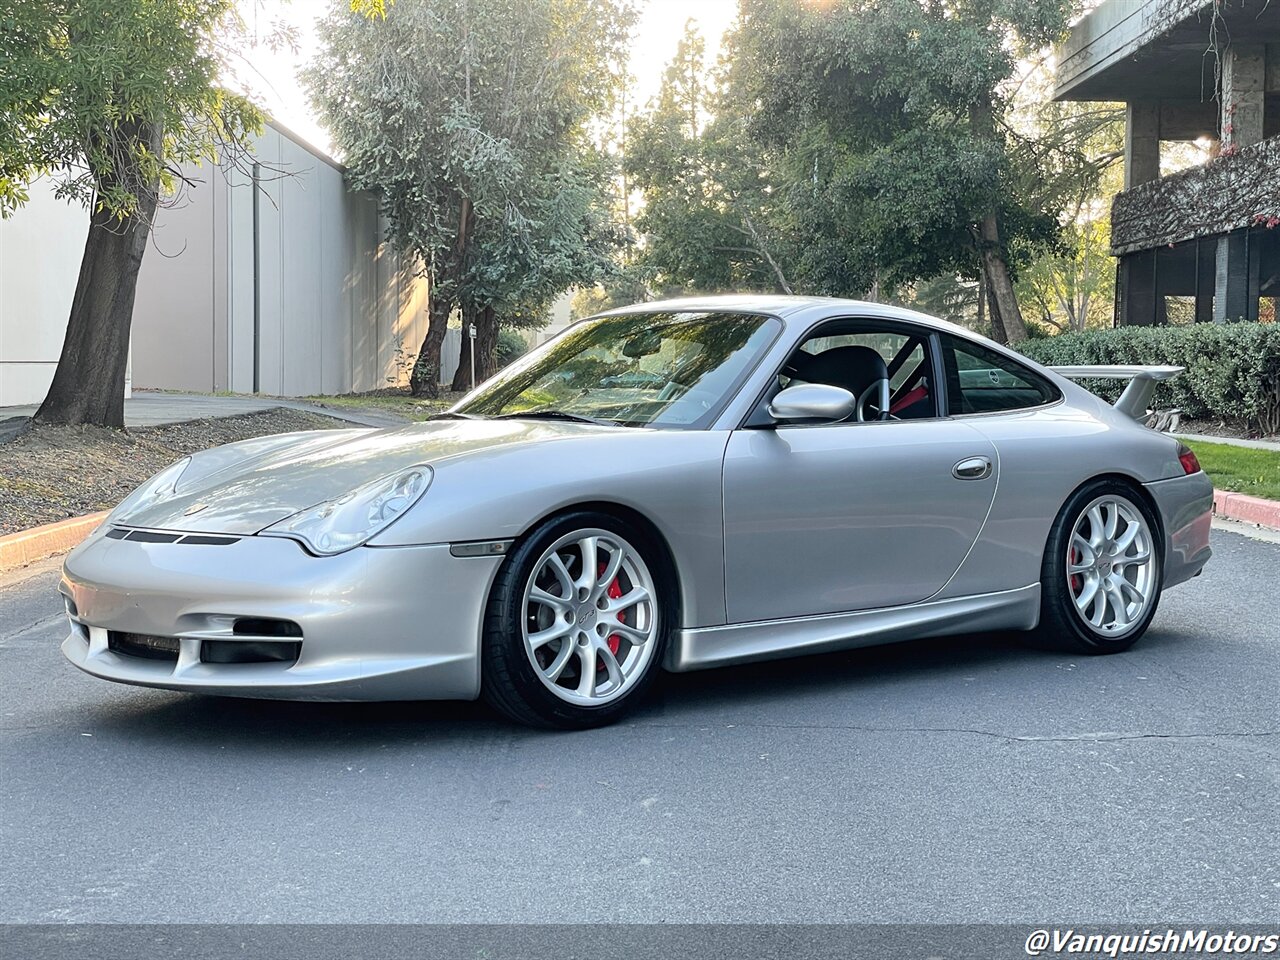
(613, 593)
(1073, 558)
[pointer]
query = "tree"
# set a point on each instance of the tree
(1073, 289)
(891, 118)
(471, 121)
(110, 97)
(705, 222)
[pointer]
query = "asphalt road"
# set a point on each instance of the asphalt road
(966, 779)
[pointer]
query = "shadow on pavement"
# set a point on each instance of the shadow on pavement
(165, 719)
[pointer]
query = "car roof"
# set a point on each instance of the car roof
(787, 306)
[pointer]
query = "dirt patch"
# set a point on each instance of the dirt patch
(52, 473)
(393, 400)
(1223, 428)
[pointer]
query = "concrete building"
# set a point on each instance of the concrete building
(286, 290)
(1206, 70)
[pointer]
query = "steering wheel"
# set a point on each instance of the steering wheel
(877, 390)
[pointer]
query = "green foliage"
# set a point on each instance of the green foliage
(846, 146)
(888, 116)
(470, 119)
(946, 296)
(511, 346)
(705, 222)
(1072, 287)
(111, 96)
(624, 288)
(1232, 370)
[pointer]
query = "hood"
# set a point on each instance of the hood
(243, 488)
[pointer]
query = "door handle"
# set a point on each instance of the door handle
(972, 468)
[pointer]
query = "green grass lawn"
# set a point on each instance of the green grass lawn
(1240, 469)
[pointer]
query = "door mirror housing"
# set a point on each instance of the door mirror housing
(812, 401)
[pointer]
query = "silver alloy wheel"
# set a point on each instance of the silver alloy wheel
(590, 617)
(1110, 567)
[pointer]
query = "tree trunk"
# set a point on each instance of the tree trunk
(1004, 302)
(982, 300)
(462, 375)
(486, 344)
(993, 307)
(486, 340)
(425, 379)
(88, 384)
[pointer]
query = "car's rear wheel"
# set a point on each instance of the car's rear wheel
(1102, 570)
(576, 623)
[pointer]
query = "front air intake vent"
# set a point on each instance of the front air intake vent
(160, 536)
(145, 646)
(263, 627)
(153, 536)
(250, 651)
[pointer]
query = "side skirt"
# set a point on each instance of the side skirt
(702, 647)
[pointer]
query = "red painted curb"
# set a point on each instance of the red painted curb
(1241, 506)
(28, 546)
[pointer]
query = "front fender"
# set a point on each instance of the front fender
(672, 477)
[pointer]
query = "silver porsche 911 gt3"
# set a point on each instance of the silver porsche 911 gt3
(673, 485)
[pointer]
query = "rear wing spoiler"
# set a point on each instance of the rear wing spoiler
(1142, 383)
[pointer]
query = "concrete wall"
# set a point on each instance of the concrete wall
(334, 309)
(40, 251)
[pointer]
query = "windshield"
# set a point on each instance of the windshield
(642, 369)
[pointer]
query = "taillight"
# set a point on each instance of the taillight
(1187, 457)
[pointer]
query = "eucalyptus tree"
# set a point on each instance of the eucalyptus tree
(706, 221)
(471, 120)
(891, 114)
(109, 98)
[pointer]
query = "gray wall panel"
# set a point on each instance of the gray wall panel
(337, 309)
(173, 338)
(239, 253)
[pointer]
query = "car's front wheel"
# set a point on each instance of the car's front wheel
(1102, 570)
(576, 623)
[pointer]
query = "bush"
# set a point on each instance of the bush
(509, 348)
(1233, 369)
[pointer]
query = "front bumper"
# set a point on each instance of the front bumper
(377, 623)
(1186, 514)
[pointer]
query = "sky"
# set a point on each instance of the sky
(272, 76)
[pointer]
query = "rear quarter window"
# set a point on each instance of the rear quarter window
(983, 381)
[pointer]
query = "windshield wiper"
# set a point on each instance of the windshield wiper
(556, 415)
(450, 415)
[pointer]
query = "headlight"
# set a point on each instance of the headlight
(156, 490)
(336, 525)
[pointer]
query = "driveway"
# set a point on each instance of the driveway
(958, 780)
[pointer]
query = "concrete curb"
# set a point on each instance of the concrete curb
(28, 546)
(1241, 506)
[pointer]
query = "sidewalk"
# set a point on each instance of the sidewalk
(146, 409)
(1231, 441)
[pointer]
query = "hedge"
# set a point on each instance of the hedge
(1233, 369)
(510, 347)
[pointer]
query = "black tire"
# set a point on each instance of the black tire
(509, 681)
(1062, 625)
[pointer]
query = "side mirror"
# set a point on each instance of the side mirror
(812, 401)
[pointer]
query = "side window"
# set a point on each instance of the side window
(983, 381)
(858, 356)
